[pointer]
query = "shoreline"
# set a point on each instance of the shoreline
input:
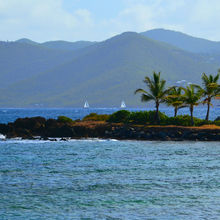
(29, 128)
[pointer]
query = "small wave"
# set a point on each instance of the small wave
(91, 140)
(98, 140)
(39, 140)
(23, 141)
(2, 137)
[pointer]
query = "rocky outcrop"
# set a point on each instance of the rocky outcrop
(29, 128)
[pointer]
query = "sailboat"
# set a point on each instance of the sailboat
(86, 105)
(123, 104)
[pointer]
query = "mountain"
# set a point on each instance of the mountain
(26, 41)
(19, 61)
(65, 45)
(106, 73)
(184, 41)
(58, 45)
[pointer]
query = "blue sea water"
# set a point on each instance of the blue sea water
(11, 114)
(107, 179)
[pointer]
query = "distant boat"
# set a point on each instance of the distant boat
(123, 104)
(86, 105)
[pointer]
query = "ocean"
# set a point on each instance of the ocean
(106, 179)
(11, 114)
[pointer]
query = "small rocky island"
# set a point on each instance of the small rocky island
(41, 128)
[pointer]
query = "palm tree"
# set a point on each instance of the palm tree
(211, 89)
(157, 92)
(175, 99)
(191, 98)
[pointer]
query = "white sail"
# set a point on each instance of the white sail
(86, 105)
(123, 104)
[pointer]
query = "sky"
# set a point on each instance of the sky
(97, 20)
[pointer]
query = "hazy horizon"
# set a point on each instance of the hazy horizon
(24, 38)
(97, 20)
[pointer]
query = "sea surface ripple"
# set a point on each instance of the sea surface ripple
(107, 179)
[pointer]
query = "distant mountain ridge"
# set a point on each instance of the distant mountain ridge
(175, 38)
(59, 44)
(184, 41)
(103, 73)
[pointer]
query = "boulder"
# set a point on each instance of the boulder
(33, 124)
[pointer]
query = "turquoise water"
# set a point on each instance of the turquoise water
(107, 179)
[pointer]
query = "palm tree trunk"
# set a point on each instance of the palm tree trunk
(175, 111)
(191, 113)
(208, 108)
(157, 113)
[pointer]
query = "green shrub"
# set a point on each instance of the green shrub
(121, 116)
(64, 119)
(96, 117)
(217, 122)
(200, 122)
(163, 118)
(141, 117)
(185, 120)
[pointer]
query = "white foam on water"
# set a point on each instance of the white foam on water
(2, 137)
(54, 140)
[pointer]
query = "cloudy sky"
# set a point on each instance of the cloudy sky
(95, 20)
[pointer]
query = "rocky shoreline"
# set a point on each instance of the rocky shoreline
(30, 128)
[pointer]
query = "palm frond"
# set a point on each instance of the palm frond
(140, 91)
(146, 98)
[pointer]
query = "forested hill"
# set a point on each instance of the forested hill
(184, 41)
(104, 73)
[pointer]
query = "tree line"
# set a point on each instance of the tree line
(178, 96)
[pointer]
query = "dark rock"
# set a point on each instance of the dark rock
(52, 139)
(51, 123)
(162, 134)
(38, 126)
(4, 129)
(34, 123)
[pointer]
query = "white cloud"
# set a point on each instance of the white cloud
(141, 16)
(199, 17)
(42, 20)
(48, 19)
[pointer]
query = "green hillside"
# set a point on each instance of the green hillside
(19, 61)
(184, 41)
(106, 73)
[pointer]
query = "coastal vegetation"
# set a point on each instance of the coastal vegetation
(156, 92)
(192, 98)
(174, 99)
(210, 90)
(173, 96)
(96, 117)
(177, 97)
(64, 119)
(148, 118)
